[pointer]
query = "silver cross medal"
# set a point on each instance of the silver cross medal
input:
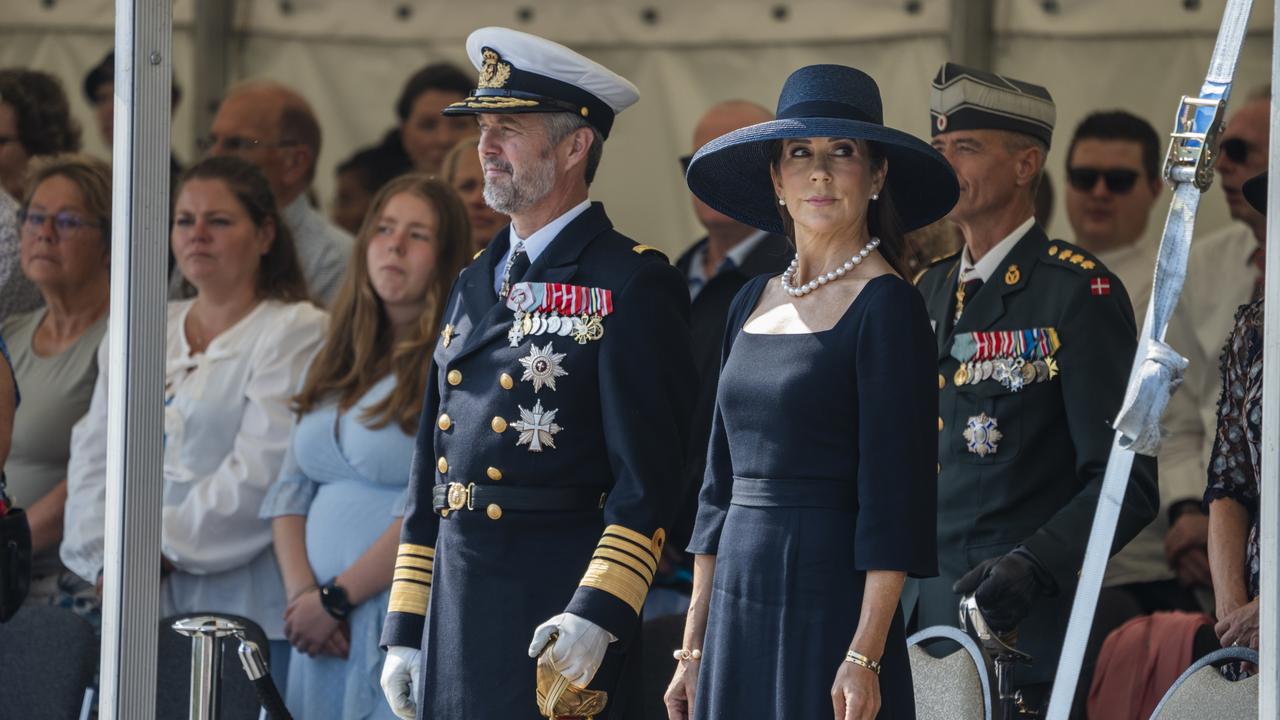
(537, 428)
(516, 333)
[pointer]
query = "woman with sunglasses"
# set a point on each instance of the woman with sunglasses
(66, 252)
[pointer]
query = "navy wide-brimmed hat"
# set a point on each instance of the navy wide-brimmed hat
(731, 173)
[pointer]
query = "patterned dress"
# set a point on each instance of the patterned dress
(1235, 465)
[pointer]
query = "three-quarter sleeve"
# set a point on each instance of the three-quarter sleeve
(224, 505)
(895, 363)
(1231, 464)
(717, 480)
(293, 491)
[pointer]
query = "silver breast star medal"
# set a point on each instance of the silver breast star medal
(542, 367)
(982, 436)
(537, 427)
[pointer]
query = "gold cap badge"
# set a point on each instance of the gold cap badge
(494, 73)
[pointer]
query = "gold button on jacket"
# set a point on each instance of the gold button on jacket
(499, 425)
(454, 377)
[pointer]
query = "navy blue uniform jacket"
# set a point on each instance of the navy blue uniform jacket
(623, 409)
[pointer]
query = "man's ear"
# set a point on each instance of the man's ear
(1028, 163)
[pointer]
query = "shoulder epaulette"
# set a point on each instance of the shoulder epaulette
(1068, 255)
(642, 249)
(477, 255)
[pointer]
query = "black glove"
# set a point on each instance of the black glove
(1005, 587)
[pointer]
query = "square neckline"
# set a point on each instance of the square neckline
(755, 302)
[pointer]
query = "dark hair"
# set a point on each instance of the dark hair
(883, 220)
(105, 72)
(279, 272)
(1120, 125)
(372, 166)
(445, 77)
(44, 119)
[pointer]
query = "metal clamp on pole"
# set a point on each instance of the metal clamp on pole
(1193, 147)
(206, 633)
(1001, 648)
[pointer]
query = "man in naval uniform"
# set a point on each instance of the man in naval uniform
(1035, 342)
(555, 422)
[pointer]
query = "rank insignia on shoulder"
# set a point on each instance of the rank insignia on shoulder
(982, 435)
(1100, 286)
(558, 309)
(642, 249)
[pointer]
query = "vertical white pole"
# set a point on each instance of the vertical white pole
(139, 265)
(1269, 587)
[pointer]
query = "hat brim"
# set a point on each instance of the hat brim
(731, 173)
(1255, 192)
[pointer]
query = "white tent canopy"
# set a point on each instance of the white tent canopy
(350, 59)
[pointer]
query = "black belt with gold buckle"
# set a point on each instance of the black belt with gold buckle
(456, 496)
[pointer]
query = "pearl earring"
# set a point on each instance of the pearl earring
(875, 196)
(781, 201)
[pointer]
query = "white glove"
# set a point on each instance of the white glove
(575, 646)
(400, 674)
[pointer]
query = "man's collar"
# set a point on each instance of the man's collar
(982, 269)
(542, 237)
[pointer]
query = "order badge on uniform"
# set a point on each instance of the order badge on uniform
(982, 435)
(558, 309)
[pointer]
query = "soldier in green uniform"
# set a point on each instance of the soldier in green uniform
(1035, 342)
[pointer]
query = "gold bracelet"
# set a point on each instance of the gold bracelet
(682, 654)
(861, 660)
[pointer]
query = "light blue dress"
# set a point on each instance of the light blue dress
(349, 481)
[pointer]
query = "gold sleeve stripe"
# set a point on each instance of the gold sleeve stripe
(413, 561)
(640, 541)
(411, 583)
(623, 556)
(419, 550)
(409, 597)
(411, 575)
(622, 583)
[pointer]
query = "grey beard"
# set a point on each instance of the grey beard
(523, 190)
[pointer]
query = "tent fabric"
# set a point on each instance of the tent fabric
(349, 60)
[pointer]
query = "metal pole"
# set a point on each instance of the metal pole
(213, 55)
(139, 263)
(972, 33)
(1269, 582)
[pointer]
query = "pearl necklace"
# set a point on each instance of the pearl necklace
(824, 278)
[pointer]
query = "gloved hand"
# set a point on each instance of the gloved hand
(576, 647)
(1005, 587)
(400, 673)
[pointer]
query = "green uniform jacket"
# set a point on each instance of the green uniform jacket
(1040, 486)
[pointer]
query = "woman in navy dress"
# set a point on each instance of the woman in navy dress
(820, 491)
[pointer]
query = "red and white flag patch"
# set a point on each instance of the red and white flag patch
(1100, 286)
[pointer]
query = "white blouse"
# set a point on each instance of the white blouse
(226, 425)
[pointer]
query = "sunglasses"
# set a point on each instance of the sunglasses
(1118, 182)
(1235, 149)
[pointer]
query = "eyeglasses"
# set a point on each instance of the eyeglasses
(1236, 149)
(684, 163)
(1118, 182)
(64, 222)
(237, 144)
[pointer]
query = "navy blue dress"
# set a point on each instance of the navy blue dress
(821, 467)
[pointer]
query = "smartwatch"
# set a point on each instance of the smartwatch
(334, 600)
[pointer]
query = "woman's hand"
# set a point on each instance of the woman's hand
(679, 695)
(855, 695)
(308, 626)
(1240, 626)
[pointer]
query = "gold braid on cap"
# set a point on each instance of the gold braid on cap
(624, 564)
(411, 583)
